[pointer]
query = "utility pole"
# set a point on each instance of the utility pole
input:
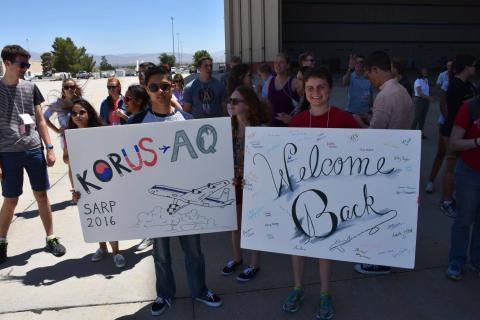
(173, 38)
(178, 49)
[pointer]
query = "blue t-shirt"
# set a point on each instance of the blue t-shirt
(206, 98)
(359, 94)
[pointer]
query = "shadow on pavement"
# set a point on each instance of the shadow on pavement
(143, 313)
(79, 268)
(20, 259)
(34, 213)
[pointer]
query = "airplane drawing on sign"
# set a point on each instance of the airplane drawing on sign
(202, 196)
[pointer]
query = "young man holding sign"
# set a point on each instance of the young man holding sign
(159, 88)
(22, 129)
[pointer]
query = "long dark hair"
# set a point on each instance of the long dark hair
(236, 76)
(94, 119)
(257, 110)
(140, 95)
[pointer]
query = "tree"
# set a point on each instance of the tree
(199, 54)
(68, 58)
(47, 61)
(166, 58)
(104, 65)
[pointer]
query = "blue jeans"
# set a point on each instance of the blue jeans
(194, 265)
(467, 184)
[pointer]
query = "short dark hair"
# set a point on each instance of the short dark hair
(146, 65)
(283, 55)
(265, 68)
(11, 52)
(156, 71)
(319, 72)
(400, 64)
(303, 56)
(200, 61)
(379, 59)
(462, 61)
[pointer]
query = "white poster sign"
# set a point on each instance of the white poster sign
(154, 180)
(341, 194)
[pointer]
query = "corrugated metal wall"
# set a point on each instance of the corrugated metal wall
(425, 32)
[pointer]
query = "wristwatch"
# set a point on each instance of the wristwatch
(49, 146)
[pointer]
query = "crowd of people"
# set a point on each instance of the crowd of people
(380, 96)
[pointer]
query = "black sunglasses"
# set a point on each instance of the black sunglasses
(111, 87)
(22, 65)
(153, 87)
(234, 101)
(68, 87)
(81, 112)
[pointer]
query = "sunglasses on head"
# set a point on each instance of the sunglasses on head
(112, 87)
(234, 101)
(81, 113)
(154, 87)
(68, 87)
(21, 64)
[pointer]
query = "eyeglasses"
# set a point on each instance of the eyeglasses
(68, 87)
(154, 87)
(81, 113)
(234, 101)
(22, 64)
(112, 87)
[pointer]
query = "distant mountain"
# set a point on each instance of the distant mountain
(127, 59)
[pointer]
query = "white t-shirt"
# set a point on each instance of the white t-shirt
(423, 84)
(442, 78)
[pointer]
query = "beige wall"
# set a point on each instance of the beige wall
(252, 29)
(35, 68)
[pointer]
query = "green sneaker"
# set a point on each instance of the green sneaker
(326, 310)
(294, 299)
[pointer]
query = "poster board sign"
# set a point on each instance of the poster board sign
(153, 180)
(341, 194)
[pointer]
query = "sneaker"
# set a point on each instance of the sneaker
(119, 260)
(449, 208)
(230, 267)
(55, 247)
(144, 244)
(294, 299)
(454, 273)
(210, 299)
(98, 255)
(371, 269)
(160, 305)
(248, 274)
(326, 310)
(3, 251)
(429, 187)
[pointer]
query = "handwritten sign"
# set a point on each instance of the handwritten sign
(341, 194)
(153, 180)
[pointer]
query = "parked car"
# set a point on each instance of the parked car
(193, 69)
(83, 75)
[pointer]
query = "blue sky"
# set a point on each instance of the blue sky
(114, 27)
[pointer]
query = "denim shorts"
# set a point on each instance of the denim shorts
(13, 163)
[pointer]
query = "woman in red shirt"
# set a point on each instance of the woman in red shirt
(465, 138)
(320, 114)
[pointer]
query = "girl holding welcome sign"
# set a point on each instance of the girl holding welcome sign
(318, 85)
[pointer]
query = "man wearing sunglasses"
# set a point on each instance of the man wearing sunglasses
(22, 129)
(159, 89)
(205, 96)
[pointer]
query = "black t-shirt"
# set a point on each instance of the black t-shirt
(458, 92)
(406, 84)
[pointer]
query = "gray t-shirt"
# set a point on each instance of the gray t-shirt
(14, 101)
(177, 115)
(206, 98)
